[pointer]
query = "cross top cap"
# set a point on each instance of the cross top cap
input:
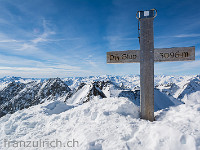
(146, 14)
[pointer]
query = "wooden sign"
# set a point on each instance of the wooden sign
(129, 56)
(174, 54)
(160, 55)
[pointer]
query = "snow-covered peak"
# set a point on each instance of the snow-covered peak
(16, 95)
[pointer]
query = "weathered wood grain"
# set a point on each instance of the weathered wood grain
(129, 56)
(174, 54)
(160, 55)
(147, 69)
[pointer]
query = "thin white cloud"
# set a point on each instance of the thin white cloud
(32, 47)
(187, 35)
(17, 62)
(118, 38)
(44, 70)
(13, 65)
(182, 67)
(64, 67)
(191, 65)
(6, 39)
(39, 39)
(39, 72)
(43, 37)
(26, 46)
(6, 60)
(90, 60)
(179, 36)
(9, 41)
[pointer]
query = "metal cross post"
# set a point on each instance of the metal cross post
(146, 57)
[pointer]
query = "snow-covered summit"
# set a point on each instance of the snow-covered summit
(100, 112)
(106, 124)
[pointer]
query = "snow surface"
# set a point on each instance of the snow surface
(78, 97)
(111, 123)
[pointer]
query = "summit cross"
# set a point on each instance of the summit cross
(146, 56)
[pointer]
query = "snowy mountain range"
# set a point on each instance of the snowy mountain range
(18, 93)
(87, 97)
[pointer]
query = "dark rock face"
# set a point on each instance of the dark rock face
(191, 87)
(53, 87)
(133, 96)
(169, 88)
(17, 96)
(96, 90)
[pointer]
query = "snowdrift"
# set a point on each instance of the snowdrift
(107, 124)
(99, 113)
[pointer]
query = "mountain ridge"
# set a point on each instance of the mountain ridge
(20, 93)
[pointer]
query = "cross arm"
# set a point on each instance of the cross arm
(160, 55)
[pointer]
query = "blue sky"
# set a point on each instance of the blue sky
(63, 38)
